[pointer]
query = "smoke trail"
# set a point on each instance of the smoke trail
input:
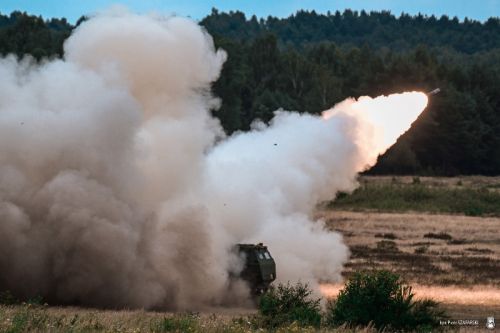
(264, 185)
(114, 194)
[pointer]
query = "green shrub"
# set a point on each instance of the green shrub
(285, 304)
(382, 299)
(37, 301)
(342, 195)
(20, 322)
(183, 323)
(421, 249)
(388, 235)
(473, 210)
(6, 298)
(441, 235)
(387, 246)
(27, 318)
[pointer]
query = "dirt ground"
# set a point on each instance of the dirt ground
(450, 258)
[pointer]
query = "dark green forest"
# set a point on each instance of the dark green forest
(310, 61)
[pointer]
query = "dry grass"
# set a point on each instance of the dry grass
(438, 249)
(452, 258)
(445, 294)
(460, 302)
(24, 318)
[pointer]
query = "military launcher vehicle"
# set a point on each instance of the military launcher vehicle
(259, 269)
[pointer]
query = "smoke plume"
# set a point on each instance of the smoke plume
(119, 189)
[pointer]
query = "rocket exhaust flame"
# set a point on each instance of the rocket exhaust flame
(114, 192)
(390, 116)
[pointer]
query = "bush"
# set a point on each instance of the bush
(25, 318)
(421, 249)
(6, 298)
(387, 246)
(382, 299)
(286, 304)
(388, 235)
(184, 323)
(441, 235)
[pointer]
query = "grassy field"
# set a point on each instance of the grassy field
(450, 258)
(412, 239)
(473, 196)
(22, 318)
(30, 318)
(437, 249)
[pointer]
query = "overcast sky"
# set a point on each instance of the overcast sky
(72, 10)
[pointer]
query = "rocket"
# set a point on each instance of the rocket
(433, 92)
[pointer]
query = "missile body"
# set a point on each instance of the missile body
(434, 92)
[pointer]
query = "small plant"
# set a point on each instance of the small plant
(387, 246)
(27, 318)
(286, 304)
(37, 301)
(441, 235)
(472, 210)
(6, 298)
(416, 180)
(382, 299)
(20, 322)
(389, 235)
(342, 195)
(421, 249)
(457, 241)
(183, 323)
(475, 249)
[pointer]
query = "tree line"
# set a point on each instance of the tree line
(310, 61)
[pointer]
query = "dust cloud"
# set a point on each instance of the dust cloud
(119, 189)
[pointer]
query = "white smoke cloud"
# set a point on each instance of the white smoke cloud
(113, 192)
